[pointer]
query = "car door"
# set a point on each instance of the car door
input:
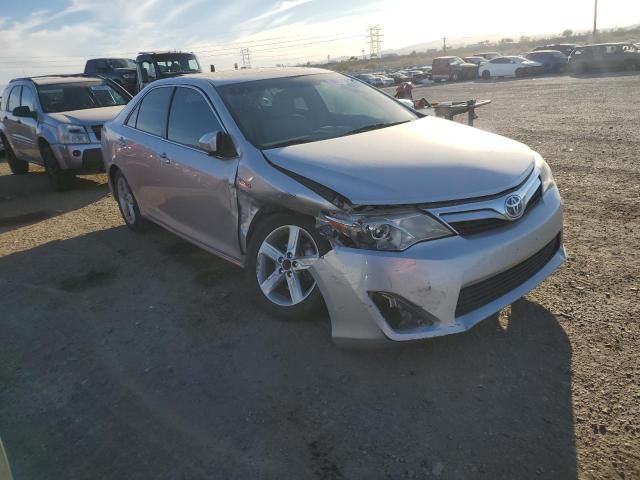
(199, 199)
(10, 121)
(26, 128)
(496, 67)
(140, 142)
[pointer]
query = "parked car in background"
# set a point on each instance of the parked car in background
(399, 77)
(329, 192)
(152, 66)
(565, 48)
(120, 70)
(508, 67)
(475, 60)
(488, 55)
(376, 80)
(552, 61)
(605, 57)
(453, 69)
(56, 122)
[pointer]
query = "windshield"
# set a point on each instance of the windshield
(277, 112)
(121, 63)
(172, 63)
(63, 97)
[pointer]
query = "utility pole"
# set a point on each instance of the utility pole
(444, 45)
(363, 53)
(595, 19)
(375, 35)
(246, 58)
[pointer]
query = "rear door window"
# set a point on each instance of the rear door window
(152, 116)
(190, 117)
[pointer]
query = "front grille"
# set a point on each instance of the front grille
(472, 227)
(92, 160)
(97, 131)
(479, 294)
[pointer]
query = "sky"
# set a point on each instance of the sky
(56, 36)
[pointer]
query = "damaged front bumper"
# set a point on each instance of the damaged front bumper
(444, 278)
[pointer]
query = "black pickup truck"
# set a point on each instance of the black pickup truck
(120, 70)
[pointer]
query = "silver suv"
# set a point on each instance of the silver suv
(56, 122)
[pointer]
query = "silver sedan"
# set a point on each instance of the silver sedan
(330, 192)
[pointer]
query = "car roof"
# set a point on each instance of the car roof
(249, 75)
(546, 51)
(55, 79)
(610, 44)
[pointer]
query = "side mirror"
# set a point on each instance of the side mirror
(24, 112)
(217, 143)
(211, 142)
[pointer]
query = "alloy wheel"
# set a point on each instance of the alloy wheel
(125, 200)
(282, 266)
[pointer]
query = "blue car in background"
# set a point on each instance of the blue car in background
(553, 61)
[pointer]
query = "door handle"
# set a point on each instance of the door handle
(164, 158)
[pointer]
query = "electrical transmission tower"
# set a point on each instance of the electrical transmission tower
(374, 34)
(246, 58)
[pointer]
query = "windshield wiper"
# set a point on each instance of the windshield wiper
(287, 143)
(375, 126)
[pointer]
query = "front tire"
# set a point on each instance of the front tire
(60, 180)
(455, 76)
(486, 75)
(127, 203)
(280, 253)
(17, 166)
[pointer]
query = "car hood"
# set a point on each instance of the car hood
(423, 161)
(90, 116)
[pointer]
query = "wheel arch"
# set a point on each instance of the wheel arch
(258, 216)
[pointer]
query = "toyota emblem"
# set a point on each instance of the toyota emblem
(514, 206)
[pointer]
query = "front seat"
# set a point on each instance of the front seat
(286, 122)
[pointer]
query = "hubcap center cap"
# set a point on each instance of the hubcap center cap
(286, 264)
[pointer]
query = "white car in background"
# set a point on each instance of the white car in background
(508, 67)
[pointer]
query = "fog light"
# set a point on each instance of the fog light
(400, 313)
(76, 153)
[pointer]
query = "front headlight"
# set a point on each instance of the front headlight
(73, 134)
(546, 177)
(389, 230)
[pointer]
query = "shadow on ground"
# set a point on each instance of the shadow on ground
(130, 356)
(26, 199)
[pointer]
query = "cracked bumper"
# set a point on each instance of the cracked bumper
(432, 274)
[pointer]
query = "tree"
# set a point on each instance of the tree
(567, 33)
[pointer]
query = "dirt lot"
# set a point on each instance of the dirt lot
(126, 356)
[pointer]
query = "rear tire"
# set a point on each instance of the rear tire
(17, 166)
(127, 203)
(274, 270)
(60, 180)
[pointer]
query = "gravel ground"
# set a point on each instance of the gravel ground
(138, 356)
